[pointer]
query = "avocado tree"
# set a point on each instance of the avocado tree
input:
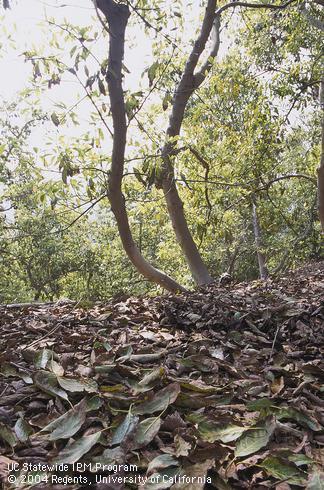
(183, 76)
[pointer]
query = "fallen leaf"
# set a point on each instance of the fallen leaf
(68, 424)
(47, 382)
(7, 435)
(283, 471)
(182, 447)
(160, 401)
(127, 426)
(78, 385)
(254, 439)
(74, 451)
(146, 431)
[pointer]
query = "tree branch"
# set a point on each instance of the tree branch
(188, 82)
(289, 176)
(253, 6)
(201, 75)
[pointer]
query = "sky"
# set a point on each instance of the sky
(24, 22)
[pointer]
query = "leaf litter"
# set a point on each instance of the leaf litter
(222, 386)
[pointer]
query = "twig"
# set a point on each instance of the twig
(274, 341)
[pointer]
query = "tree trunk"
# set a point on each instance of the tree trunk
(258, 243)
(320, 170)
(117, 17)
(175, 208)
(189, 82)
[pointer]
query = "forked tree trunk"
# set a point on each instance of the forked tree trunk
(117, 17)
(263, 271)
(320, 170)
(189, 82)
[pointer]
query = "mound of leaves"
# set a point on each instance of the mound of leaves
(220, 388)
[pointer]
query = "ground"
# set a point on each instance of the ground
(218, 388)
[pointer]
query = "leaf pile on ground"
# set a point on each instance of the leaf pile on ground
(218, 388)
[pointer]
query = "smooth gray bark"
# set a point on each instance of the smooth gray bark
(320, 170)
(263, 271)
